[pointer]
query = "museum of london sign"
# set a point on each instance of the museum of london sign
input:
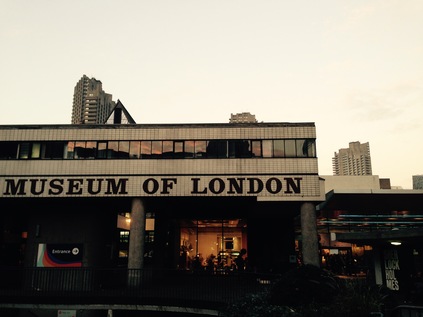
(156, 186)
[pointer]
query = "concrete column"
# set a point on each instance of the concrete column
(310, 244)
(377, 265)
(136, 242)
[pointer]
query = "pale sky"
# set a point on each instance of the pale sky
(355, 68)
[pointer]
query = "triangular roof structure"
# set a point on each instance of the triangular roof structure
(119, 115)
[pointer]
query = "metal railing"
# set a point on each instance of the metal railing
(124, 286)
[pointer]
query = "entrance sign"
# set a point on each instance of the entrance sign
(59, 255)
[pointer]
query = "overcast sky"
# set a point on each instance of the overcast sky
(355, 68)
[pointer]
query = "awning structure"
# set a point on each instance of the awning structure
(373, 216)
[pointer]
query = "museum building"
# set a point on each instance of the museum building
(160, 195)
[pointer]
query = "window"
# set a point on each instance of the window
(159, 149)
(290, 148)
(24, 150)
(36, 150)
(156, 149)
(69, 150)
(189, 149)
(239, 148)
(256, 148)
(8, 150)
(278, 148)
(167, 148)
(53, 150)
(123, 149)
(267, 148)
(134, 149)
(145, 149)
(178, 149)
(102, 150)
(200, 148)
(90, 149)
(113, 149)
(217, 149)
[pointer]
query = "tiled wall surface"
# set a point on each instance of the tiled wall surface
(42, 175)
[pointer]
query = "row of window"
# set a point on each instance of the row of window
(167, 149)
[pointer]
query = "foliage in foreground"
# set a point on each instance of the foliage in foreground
(309, 291)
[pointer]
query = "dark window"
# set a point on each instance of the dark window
(217, 149)
(24, 150)
(102, 150)
(79, 152)
(53, 150)
(239, 148)
(8, 150)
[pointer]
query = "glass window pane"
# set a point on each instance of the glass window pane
(90, 148)
(167, 149)
(290, 148)
(189, 149)
(134, 149)
(79, 149)
(212, 149)
(112, 149)
(301, 148)
(311, 147)
(102, 150)
(179, 149)
(222, 151)
(239, 148)
(70, 150)
(267, 148)
(278, 148)
(8, 150)
(124, 149)
(156, 149)
(145, 149)
(36, 150)
(306, 148)
(256, 148)
(24, 150)
(200, 148)
(52, 150)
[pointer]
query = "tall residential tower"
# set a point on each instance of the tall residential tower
(91, 105)
(353, 161)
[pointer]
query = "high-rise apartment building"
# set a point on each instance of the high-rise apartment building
(417, 181)
(354, 160)
(244, 117)
(91, 105)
